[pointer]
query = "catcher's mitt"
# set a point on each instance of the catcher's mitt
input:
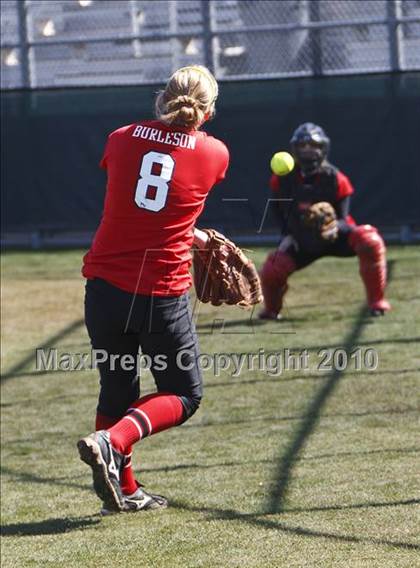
(224, 275)
(322, 220)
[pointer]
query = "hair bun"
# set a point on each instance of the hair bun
(188, 98)
(185, 100)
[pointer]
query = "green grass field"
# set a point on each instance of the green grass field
(303, 469)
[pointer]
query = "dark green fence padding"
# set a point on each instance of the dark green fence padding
(52, 142)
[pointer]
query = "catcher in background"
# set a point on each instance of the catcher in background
(159, 175)
(315, 222)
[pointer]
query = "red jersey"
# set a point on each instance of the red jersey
(158, 179)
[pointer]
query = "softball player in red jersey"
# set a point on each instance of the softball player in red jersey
(159, 175)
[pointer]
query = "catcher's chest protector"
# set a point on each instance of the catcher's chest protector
(320, 187)
(304, 192)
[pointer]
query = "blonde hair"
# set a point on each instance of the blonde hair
(189, 95)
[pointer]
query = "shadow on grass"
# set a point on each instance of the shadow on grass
(49, 526)
(308, 423)
(245, 463)
(41, 400)
(277, 498)
(236, 381)
(22, 477)
(22, 364)
(259, 520)
(303, 417)
(39, 373)
(219, 326)
(370, 343)
(367, 505)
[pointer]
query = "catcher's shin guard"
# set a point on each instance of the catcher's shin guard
(274, 274)
(369, 246)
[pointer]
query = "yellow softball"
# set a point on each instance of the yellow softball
(282, 163)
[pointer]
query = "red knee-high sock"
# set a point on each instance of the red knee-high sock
(273, 296)
(127, 480)
(147, 415)
(274, 274)
(370, 248)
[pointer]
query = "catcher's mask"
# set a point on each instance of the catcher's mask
(310, 146)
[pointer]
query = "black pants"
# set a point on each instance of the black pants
(304, 256)
(121, 323)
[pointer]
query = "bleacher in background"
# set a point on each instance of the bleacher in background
(58, 43)
(100, 42)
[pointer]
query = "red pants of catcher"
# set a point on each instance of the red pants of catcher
(363, 241)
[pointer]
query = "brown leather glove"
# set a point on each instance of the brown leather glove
(321, 218)
(223, 274)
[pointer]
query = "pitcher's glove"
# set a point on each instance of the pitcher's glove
(321, 219)
(224, 275)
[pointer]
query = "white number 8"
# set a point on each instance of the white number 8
(160, 182)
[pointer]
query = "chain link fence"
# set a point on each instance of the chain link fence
(60, 43)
